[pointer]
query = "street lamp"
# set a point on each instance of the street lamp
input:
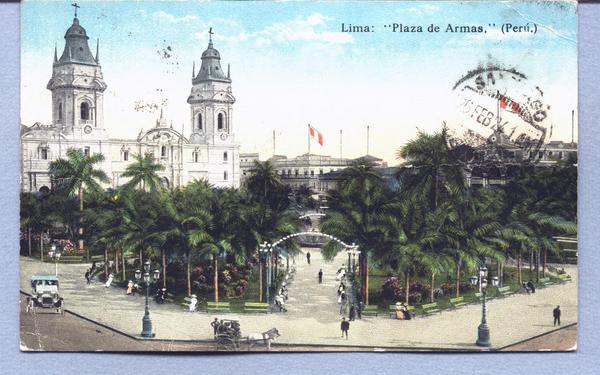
(146, 322)
(267, 249)
(54, 254)
(349, 269)
(483, 331)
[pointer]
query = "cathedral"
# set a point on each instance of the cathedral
(208, 152)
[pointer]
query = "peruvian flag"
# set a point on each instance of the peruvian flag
(312, 131)
(509, 105)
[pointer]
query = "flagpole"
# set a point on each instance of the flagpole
(498, 112)
(572, 126)
(340, 143)
(367, 139)
(309, 139)
(273, 142)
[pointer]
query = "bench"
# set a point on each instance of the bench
(563, 278)
(71, 259)
(457, 302)
(392, 310)
(170, 298)
(545, 281)
(256, 307)
(218, 307)
(430, 308)
(505, 291)
(370, 310)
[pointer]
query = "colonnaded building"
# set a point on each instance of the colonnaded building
(209, 152)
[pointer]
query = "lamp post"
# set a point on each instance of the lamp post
(260, 270)
(483, 331)
(349, 268)
(267, 249)
(54, 254)
(146, 322)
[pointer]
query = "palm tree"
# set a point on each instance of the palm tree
(76, 174)
(263, 181)
(144, 172)
(433, 172)
(31, 217)
(357, 214)
(189, 220)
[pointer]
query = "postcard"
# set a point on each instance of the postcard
(298, 176)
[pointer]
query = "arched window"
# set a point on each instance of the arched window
(220, 122)
(225, 156)
(60, 112)
(225, 175)
(199, 121)
(85, 111)
(163, 151)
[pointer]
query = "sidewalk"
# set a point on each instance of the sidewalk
(313, 313)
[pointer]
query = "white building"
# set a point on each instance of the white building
(209, 152)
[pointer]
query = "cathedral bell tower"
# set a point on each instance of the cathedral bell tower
(211, 101)
(77, 86)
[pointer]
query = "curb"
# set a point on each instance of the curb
(538, 336)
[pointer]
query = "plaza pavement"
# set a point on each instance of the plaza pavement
(313, 313)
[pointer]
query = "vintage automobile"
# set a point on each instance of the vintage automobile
(44, 294)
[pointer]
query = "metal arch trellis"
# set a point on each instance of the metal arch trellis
(268, 248)
(297, 234)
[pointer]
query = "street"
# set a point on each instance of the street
(312, 318)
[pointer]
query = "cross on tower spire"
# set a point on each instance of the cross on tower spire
(210, 34)
(74, 5)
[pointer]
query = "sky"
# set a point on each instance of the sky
(292, 65)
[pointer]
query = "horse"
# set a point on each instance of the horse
(264, 338)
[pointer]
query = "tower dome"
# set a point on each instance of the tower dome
(76, 46)
(211, 66)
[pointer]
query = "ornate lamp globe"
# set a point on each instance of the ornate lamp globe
(495, 281)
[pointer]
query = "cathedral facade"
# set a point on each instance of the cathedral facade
(208, 152)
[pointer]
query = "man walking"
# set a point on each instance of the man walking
(556, 314)
(87, 276)
(320, 276)
(308, 257)
(345, 327)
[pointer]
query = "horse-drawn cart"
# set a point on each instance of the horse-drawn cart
(228, 336)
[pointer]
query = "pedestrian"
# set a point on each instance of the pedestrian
(342, 302)
(193, 302)
(109, 280)
(345, 326)
(352, 313)
(531, 286)
(92, 270)
(320, 276)
(556, 314)
(215, 325)
(359, 309)
(129, 287)
(135, 288)
(308, 257)
(87, 276)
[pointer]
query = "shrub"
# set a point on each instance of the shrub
(391, 290)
